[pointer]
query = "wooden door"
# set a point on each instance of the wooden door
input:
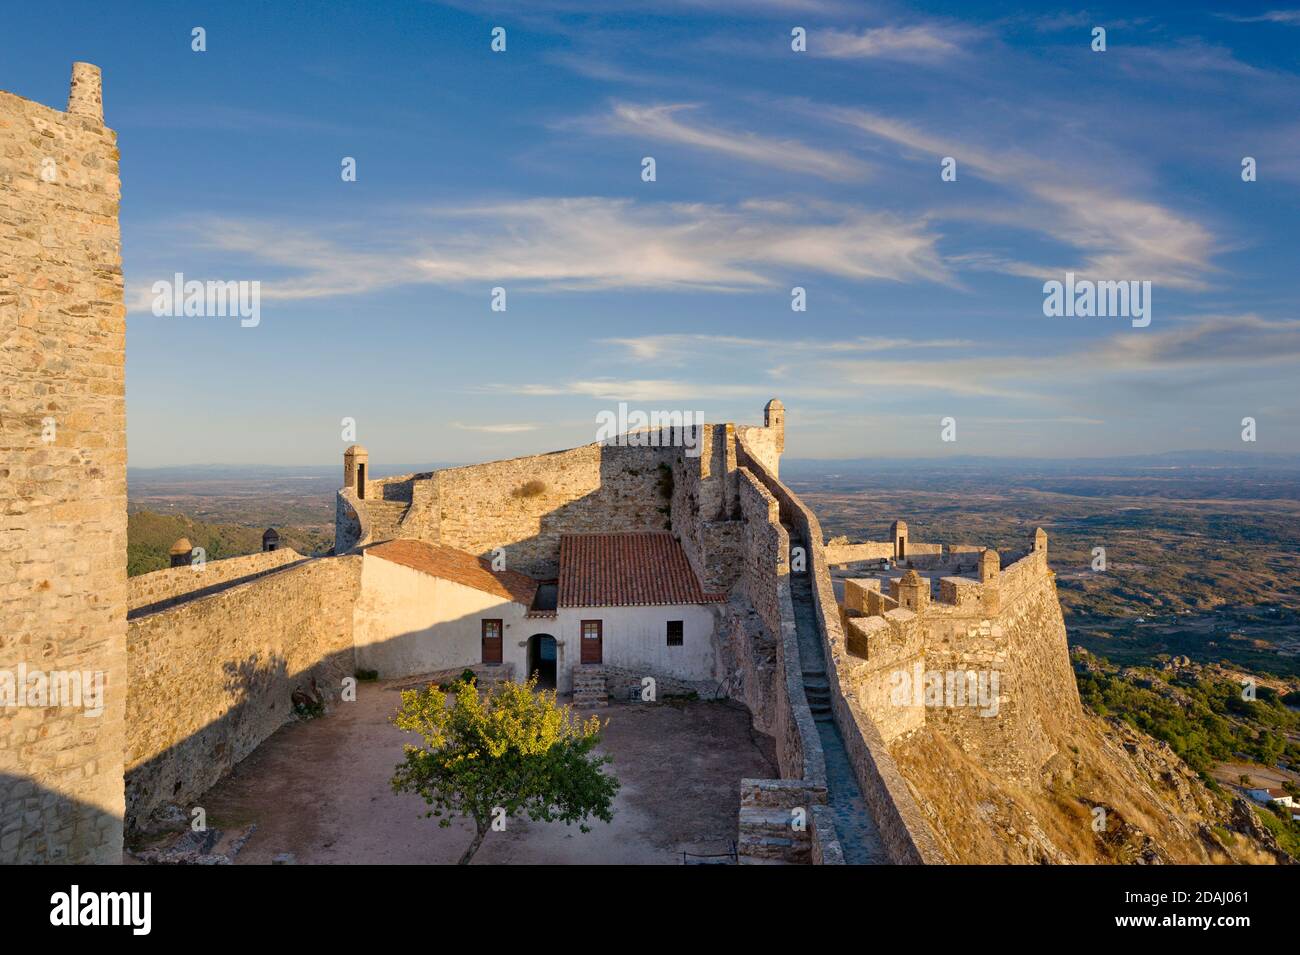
(592, 642)
(491, 641)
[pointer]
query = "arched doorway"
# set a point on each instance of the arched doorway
(541, 659)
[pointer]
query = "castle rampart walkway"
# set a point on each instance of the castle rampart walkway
(854, 825)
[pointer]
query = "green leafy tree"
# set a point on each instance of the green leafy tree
(491, 757)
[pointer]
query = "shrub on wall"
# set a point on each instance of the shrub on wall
(530, 489)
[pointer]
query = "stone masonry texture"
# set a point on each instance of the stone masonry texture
(62, 473)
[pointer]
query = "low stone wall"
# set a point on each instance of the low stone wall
(779, 822)
(210, 678)
(486, 676)
(623, 685)
(862, 550)
(920, 555)
(154, 591)
(904, 829)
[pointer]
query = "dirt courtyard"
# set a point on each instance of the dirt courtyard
(320, 790)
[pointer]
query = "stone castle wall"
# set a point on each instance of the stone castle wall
(903, 827)
(779, 704)
(62, 473)
(1011, 626)
(210, 679)
(524, 504)
(154, 591)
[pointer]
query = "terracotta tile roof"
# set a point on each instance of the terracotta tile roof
(627, 570)
(458, 566)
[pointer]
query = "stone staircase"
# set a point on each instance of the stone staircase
(767, 834)
(766, 838)
(818, 691)
(385, 516)
(589, 686)
(854, 826)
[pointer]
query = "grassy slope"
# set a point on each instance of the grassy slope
(149, 538)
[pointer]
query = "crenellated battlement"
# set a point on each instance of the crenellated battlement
(956, 616)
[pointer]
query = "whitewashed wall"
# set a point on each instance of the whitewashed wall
(636, 638)
(407, 622)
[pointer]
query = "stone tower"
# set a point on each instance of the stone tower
(62, 480)
(356, 469)
(913, 592)
(898, 535)
(774, 418)
(990, 571)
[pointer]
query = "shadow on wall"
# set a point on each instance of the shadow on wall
(40, 814)
(262, 690)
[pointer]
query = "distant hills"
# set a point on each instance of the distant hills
(150, 537)
(812, 467)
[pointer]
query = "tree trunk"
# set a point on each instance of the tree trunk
(480, 831)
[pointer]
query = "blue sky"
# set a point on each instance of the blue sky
(775, 169)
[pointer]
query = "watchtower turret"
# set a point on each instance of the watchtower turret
(774, 418)
(356, 467)
(181, 553)
(913, 592)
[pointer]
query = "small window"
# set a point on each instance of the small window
(674, 633)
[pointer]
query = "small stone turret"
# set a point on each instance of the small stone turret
(1040, 540)
(86, 95)
(270, 540)
(181, 552)
(913, 592)
(356, 467)
(990, 566)
(898, 534)
(774, 418)
(990, 570)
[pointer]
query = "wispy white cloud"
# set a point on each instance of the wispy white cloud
(571, 244)
(668, 122)
(1117, 234)
(924, 42)
(633, 389)
(1288, 17)
(687, 347)
(494, 428)
(842, 370)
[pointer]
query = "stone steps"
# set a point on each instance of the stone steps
(589, 686)
(765, 836)
(855, 830)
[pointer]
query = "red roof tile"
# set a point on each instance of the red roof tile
(627, 570)
(458, 566)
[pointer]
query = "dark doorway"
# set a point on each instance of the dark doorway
(541, 659)
(361, 481)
